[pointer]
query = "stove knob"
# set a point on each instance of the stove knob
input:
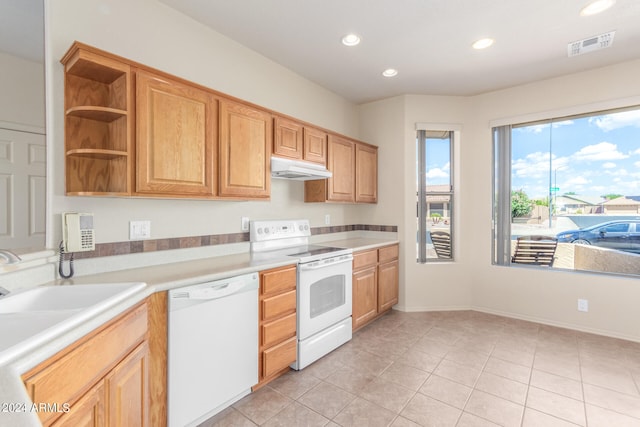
(260, 230)
(300, 227)
(266, 231)
(306, 227)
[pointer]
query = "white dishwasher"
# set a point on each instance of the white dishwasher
(213, 347)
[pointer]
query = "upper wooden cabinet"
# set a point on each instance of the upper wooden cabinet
(366, 173)
(245, 151)
(176, 137)
(341, 162)
(315, 145)
(98, 124)
(294, 140)
(355, 174)
(131, 130)
(287, 138)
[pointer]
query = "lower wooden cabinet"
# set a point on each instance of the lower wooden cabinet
(103, 378)
(375, 283)
(127, 388)
(277, 324)
(365, 296)
(87, 412)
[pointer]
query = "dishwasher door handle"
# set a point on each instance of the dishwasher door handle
(216, 291)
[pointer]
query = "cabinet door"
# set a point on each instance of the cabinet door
(127, 390)
(365, 296)
(341, 161)
(279, 357)
(86, 412)
(366, 174)
(287, 138)
(175, 137)
(387, 285)
(315, 145)
(245, 150)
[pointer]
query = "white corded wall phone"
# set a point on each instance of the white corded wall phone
(77, 232)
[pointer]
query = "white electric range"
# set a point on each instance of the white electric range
(324, 285)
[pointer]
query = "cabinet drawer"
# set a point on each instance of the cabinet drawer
(388, 253)
(274, 281)
(64, 379)
(276, 306)
(279, 357)
(365, 259)
(278, 330)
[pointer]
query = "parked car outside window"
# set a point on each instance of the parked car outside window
(619, 235)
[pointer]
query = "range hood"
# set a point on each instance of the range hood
(297, 169)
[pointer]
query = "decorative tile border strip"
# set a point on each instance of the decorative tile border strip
(143, 246)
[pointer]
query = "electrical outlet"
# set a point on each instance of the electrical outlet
(139, 230)
(327, 219)
(583, 304)
(244, 223)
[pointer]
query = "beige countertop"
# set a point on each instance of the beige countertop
(360, 243)
(157, 278)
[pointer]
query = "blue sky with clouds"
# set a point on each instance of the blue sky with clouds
(590, 156)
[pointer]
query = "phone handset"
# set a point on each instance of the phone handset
(77, 236)
(77, 232)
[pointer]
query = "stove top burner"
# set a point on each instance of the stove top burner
(316, 250)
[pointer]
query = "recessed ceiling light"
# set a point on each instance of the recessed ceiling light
(596, 7)
(351, 40)
(482, 43)
(390, 72)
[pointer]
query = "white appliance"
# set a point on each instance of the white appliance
(297, 169)
(213, 347)
(324, 293)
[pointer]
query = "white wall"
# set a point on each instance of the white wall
(548, 295)
(390, 124)
(22, 89)
(151, 33)
(472, 282)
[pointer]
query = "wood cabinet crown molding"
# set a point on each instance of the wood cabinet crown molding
(120, 121)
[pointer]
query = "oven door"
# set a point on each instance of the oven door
(324, 294)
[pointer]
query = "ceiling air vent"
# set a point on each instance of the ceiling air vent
(591, 44)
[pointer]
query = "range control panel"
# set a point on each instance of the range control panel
(261, 231)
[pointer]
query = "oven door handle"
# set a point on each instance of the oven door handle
(324, 263)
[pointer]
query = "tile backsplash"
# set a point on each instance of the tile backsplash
(144, 246)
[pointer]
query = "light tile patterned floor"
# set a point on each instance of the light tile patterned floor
(455, 369)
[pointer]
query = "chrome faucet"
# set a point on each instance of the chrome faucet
(9, 257)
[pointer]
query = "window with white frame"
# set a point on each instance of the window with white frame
(435, 191)
(573, 180)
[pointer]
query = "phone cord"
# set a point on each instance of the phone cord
(60, 269)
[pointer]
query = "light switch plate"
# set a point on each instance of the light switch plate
(244, 223)
(139, 230)
(583, 304)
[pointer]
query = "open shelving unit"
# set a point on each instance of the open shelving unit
(98, 123)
